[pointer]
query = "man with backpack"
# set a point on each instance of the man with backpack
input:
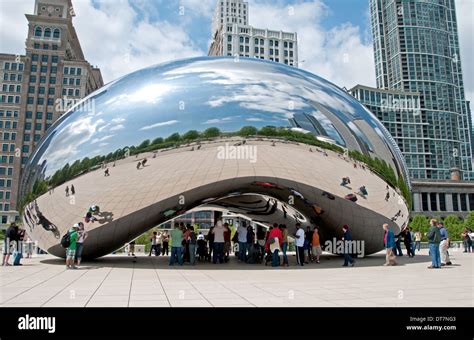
(11, 237)
(69, 241)
(434, 237)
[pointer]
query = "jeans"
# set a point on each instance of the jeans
(176, 251)
(284, 248)
(219, 252)
(242, 251)
(192, 254)
(348, 259)
(398, 248)
(275, 258)
(435, 256)
(417, 245)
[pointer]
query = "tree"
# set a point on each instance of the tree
(248, 131)
(191, 135)
(420, 223)
(455, 227)
(144, 144)
(469, 221)
(211, 132)
(175, 137)
(268, 131)
(156, 141)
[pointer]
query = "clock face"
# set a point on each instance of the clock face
(50, 9)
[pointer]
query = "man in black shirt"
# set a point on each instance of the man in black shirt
(10, 242)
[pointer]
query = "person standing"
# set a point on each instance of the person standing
(154, 244)
(308, 237)
(218, 232)
(299, 244)
(261, 241)
(29, 247)
(192, 245)
(166, 240)
(242, 234)
(82, 236)
(347, 238)
(159, 243)
(71, 250)
(284, 245)
(389, 242)
(417, 241)
(176, 245)
(227, 244)
(273, 245)
(434, 238)
(316, 244)
(444, 245)
(131, 248)
(210, 239)
(250, 238)
(11, 236)
(73, 190)
(407, 241)
(397, 247)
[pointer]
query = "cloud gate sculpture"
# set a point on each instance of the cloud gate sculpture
(257, 138)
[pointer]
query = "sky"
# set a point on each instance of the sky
(121, 36)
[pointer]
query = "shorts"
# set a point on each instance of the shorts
(79, 248)
(70, 253)
(8, 247)
(317, 250)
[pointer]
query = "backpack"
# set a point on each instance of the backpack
(66, 240)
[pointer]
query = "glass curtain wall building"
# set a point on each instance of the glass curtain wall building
(416, 48)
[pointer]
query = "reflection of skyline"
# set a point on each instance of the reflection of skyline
(192, 94)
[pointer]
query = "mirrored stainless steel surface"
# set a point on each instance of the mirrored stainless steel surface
(209, 127)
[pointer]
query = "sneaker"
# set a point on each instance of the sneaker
(432, 267)
(449, 263)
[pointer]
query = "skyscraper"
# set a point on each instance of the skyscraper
(233, 36)
(416, 49)
(37, 89)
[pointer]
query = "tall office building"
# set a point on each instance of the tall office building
(37, 89)
(416, 49)
(233, 36)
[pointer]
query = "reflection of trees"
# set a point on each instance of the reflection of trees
(385, 171)
(79, 167)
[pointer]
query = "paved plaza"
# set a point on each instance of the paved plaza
(117, 281)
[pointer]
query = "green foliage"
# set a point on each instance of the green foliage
(156, 141)
(144, 144)
(175, 137)
(248, 131)
(191, 135)
(420, 223)
(455, 227)
(469, 221)
(211, 132)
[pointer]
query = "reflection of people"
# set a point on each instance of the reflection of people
(29, 247)
(67, 191)
(73, 190)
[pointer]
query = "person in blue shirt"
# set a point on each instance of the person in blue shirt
(444, 245)
(389, 242)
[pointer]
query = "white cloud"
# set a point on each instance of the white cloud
(339, 54)
(170, 122)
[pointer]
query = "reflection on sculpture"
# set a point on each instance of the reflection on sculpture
(176, 136)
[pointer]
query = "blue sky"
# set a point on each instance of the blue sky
(121, 36)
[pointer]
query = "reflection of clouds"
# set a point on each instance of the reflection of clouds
(148, 127)
(149, 94)
(68, 140)
(219, 121)
(101, 139)
(254, 120)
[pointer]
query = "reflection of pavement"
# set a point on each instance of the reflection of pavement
(115, 281)
(174, 172)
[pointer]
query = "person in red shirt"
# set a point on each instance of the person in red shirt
(273, 244)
